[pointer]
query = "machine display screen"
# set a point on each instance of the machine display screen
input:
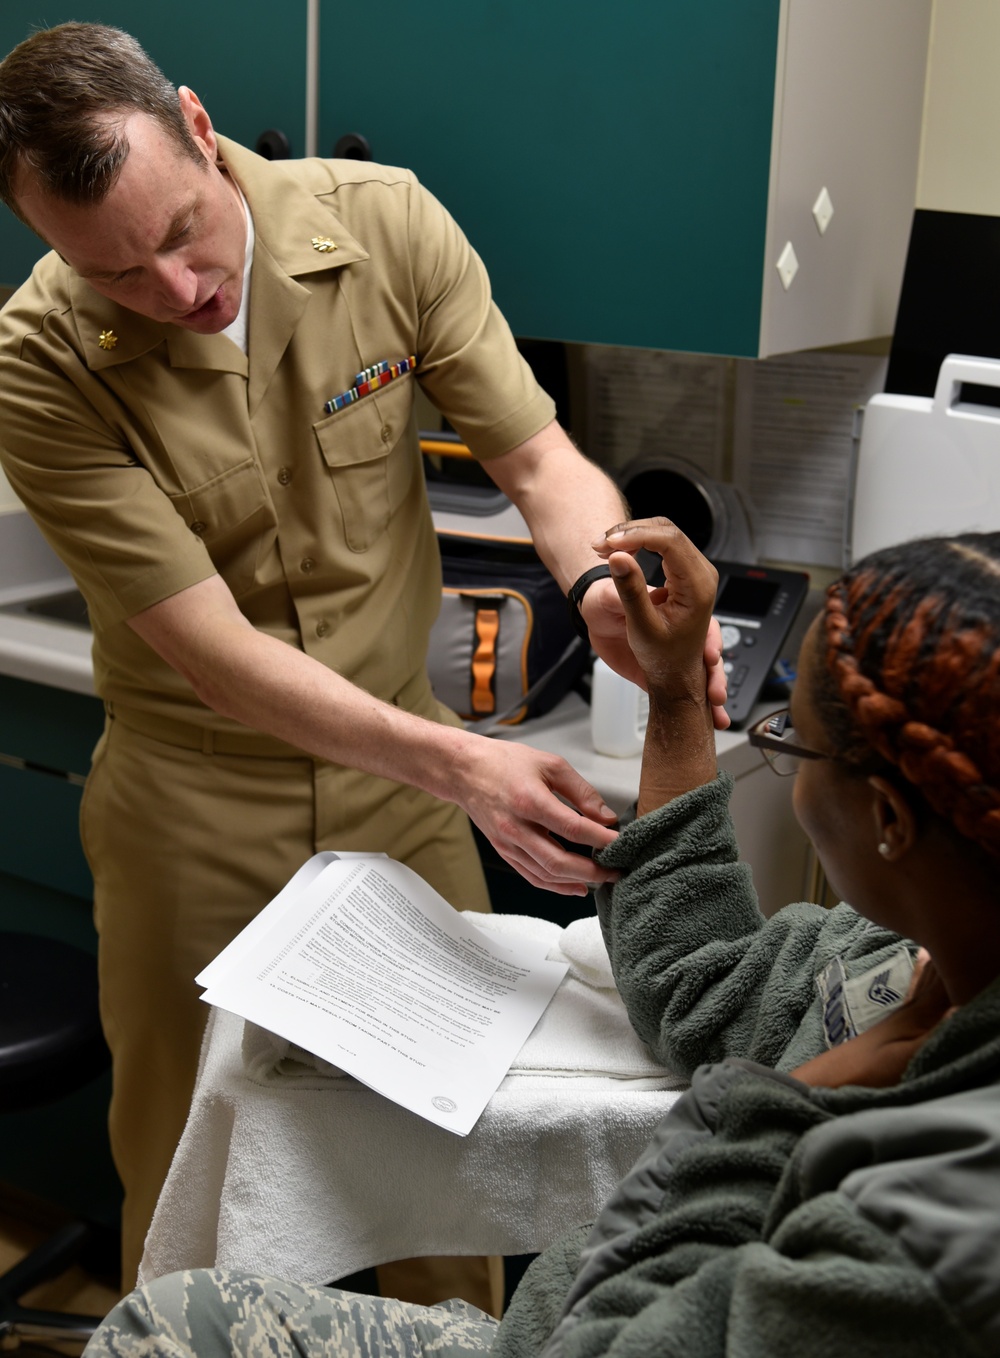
(746, 598)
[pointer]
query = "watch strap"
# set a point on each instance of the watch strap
(576, 592)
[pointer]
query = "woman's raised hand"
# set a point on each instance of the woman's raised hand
(674, 638)
(669, 627)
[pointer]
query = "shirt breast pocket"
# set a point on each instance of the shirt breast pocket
(369, 467)
(232, 516)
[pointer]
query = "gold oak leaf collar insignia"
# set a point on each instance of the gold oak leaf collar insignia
(107, 339)
(323, 244)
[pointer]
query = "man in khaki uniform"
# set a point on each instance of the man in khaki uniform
(261, 574)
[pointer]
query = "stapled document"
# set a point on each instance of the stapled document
(359, 961)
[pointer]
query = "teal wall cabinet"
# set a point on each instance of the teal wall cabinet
(59, 1152)
(642, 175)
(631, 174)
(47, 736)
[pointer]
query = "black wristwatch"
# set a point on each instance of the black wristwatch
(576, 592)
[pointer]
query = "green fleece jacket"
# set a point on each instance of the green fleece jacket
(767, 1219)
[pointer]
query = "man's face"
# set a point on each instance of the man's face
(168, 241)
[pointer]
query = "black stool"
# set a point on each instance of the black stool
(50, 1045)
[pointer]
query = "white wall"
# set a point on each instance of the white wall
(960, 149)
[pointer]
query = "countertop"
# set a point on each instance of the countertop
(31, 648)
(566, 731)
(58, 654)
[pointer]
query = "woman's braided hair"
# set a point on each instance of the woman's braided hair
(912, 677)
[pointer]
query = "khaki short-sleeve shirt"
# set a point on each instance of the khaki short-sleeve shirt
(156, 457)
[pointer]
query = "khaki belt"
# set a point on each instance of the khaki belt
(190, 737)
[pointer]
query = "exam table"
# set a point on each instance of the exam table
(286, 1171)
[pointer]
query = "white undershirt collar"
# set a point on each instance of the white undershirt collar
(237, 330)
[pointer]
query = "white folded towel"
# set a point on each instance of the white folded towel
(582, 946)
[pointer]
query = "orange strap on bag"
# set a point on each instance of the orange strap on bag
(484, 660)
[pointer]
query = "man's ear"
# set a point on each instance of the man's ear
(896, 826)
(198, 122)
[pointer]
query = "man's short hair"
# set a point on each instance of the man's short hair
(65, 94)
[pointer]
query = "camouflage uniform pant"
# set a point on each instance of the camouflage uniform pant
(215, 1313)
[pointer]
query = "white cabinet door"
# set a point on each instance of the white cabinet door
(848, 109)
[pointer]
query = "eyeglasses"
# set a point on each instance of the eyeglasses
(774, 737)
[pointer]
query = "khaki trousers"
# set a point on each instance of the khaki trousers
(185, 848)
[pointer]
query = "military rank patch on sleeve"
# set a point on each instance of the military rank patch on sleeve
(852, 1006)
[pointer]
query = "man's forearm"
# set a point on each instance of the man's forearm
(566, 500)
(269, 686)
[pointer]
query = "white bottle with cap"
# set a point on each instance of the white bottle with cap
(619, 711)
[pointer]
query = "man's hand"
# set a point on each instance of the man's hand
(604, 615)
(877, 1057)
(520, 797)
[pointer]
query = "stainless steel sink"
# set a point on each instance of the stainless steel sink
(68, 606)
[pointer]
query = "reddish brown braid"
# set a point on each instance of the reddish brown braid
(913, 649)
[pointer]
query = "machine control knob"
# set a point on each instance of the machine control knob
(730, 637)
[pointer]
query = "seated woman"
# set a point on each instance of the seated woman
(831, 1183)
